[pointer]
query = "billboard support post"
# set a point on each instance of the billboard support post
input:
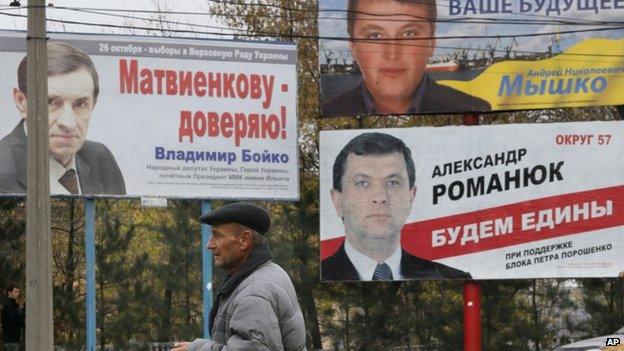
(206, 269)
(39, 322)
(471, 119)
(472, 289)
(472, 316)
(90, 268)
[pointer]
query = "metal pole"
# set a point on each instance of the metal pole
(472, 290)
(472, 316)
(39, 322)
(471, 119)
(206, 269)
(90, 268)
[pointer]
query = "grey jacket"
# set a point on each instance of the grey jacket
(262, 313)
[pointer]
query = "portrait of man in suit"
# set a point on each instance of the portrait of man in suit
(77, 165)
(373, 190)
(391, 41)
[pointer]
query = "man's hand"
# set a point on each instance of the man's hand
(181, 346)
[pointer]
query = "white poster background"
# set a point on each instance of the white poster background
(586, 167)
(133, 125)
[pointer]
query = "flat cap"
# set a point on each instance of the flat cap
(249, 215)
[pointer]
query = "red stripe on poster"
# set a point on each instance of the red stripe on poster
(509, 225)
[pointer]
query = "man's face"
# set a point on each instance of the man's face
(375, 199)
(14, 294)
(70, 104)
(227, 246)
(392, 69)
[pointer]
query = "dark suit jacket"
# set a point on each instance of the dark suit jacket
(97, 169)
(338, 267)
(437, 99)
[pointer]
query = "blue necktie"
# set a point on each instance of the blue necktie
(382, 272)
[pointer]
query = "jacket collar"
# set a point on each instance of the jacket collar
(18, 148)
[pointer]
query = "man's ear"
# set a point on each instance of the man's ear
(245, 239)
(21, 103)
(413, 193)
(353, 49)
(433, 45)
(336, 197)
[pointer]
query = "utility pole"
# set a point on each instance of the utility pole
(39, 328)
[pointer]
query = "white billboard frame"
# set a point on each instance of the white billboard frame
(231, 113)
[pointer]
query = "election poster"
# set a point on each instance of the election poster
(144, 116)
(458, 56)
(471, 203)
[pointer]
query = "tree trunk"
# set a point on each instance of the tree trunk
(620, 110)
(310, 307)
(536, 331)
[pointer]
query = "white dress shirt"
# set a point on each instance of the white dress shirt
(56, 172)
(365, 266)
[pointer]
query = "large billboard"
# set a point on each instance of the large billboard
(419, 57)
(138, 116)
(470, 202)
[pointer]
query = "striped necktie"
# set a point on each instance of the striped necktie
(382, 272)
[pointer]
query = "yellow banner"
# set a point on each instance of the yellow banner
(589, 73)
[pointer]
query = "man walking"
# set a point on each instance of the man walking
(256, 306)
(12, 319)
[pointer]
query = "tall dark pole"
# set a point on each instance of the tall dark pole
(206, 268)
(472, 290)
(39, 330)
